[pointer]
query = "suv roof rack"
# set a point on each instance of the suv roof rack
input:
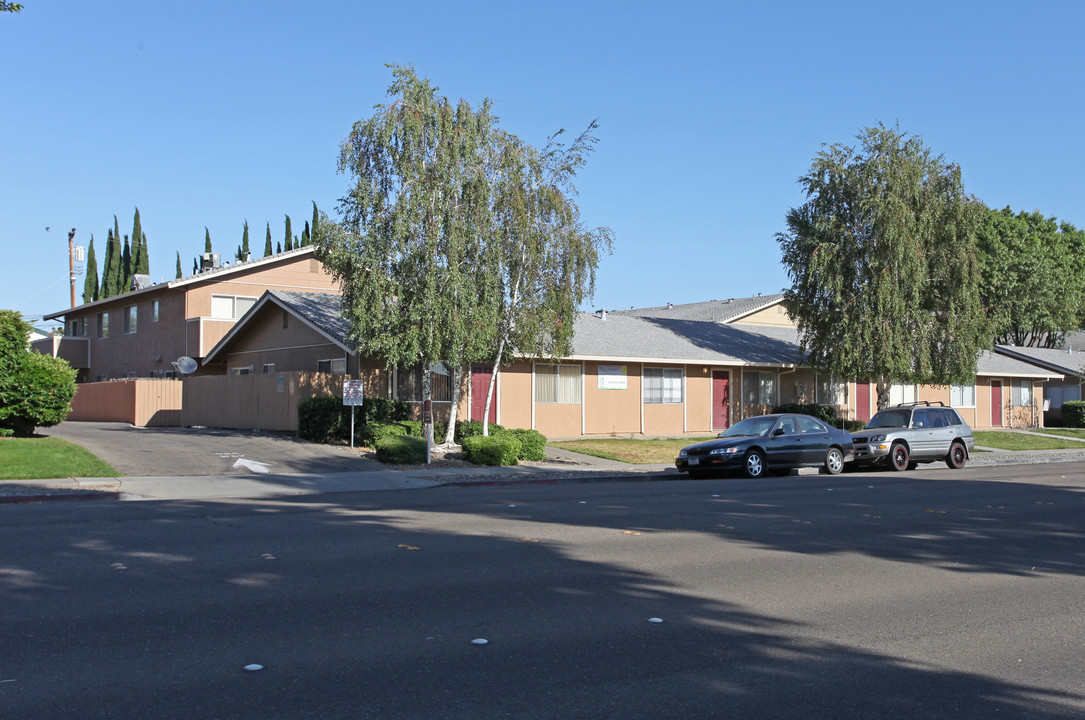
(926, 403)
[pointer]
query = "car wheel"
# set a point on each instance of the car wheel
(834, 461)
(957, 457)
(898, 457)
(755, 464)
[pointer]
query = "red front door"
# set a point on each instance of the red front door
(862, 401)
(996, 403)
(721, 399)
(480, 384)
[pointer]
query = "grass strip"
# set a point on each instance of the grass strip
(46, 458)
(630, 450)
(1004, 440)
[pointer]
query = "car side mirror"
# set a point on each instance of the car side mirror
(777, 431)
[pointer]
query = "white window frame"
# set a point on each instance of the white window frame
(837, 388)
(234, 313)
(336, 366)
(962, 395)
(246, 370)
(268, 368)
(1020, 393)
(665, 393)
(561, 396)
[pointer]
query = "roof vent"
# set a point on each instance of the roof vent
(670, 305)
(602, 314)
(209, 261)
(139, 282)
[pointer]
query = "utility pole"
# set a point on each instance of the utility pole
(71, 261)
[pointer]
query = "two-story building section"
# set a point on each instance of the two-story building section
(142, 333)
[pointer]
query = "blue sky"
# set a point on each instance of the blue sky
(213, 113)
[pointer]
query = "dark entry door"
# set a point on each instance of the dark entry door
(721, 399)
(480, 383)
(862, 401)
(996, 403)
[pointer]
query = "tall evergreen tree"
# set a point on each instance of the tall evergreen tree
(243, 249)
(90, 283)
(137, 245)
(145, 258)
(207, 240)
(108, 287)
(278, 247)
(316, 222)
(178, 264)
(288, 243)
(268, 250)
(305, 239)
(126, 266)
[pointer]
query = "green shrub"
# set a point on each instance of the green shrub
(372, 433)
(35, 390)
(473, 428)
(323, 419)
(401, 450)
(501, 449)
(826, 413)
(1073, 413)
(853, 425)
(384, 410)
(6, 432)
(532, 443)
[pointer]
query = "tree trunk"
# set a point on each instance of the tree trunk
(457, 393)
(427, 401)
(883, 394)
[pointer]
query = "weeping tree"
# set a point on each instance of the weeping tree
(883, 263)
(546, 258)
(409, 250)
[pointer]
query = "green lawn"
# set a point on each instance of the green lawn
(1020, 441)
(45, 458)
(628, 450)
(1068, 432)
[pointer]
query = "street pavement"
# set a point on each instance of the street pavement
(201, 464)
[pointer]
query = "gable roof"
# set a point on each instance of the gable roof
(1060, 361)
(719, 311)
(218, 273)
(320, 311)
(678, 340)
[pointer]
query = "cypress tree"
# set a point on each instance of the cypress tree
(126, 268)
(288, 243)
(267, 242)
(144, 258)
(305, 237)
(108, 287)
(316, 222)
(278, 248)
(195, 267)
(206, 240)
(90, 284)
(137, 244)
(178, 264)
(243, 250)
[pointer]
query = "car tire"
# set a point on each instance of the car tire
(834, 461)
(754, 464)
(957, 456)
(898, 457)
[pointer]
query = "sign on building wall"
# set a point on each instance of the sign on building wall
(613, 377)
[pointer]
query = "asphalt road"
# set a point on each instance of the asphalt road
(172, 451)
(931, 594)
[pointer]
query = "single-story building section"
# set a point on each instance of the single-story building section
(1068, 363)
(674, 370)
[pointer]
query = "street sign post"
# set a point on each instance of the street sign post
(352, 396)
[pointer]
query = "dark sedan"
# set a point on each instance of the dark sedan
(769, 442)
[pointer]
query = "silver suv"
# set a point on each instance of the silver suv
(911, 433)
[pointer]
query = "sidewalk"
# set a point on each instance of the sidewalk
(561, 466)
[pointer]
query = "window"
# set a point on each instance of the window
(758, 388)
(962, 395)
(154, 311)
(230, 307)
(131, 375)
(810, 425)
(830, 392)
(241, 370)
(336, 366)
(269, 368)
(103, 325)
(78, 327)
(901, 394)
(169, 374)
(1021, 393)
(662, 385)
(557, 383)
(131, 314)
(409, 384)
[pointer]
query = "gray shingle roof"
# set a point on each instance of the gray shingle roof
(677, 340)
(1059, 361)
(710, 311)
(321, 310)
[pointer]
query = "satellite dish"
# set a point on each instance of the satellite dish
(185, 365)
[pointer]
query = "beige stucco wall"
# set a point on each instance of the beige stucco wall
(775, 315)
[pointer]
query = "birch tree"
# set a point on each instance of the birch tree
(882, 259)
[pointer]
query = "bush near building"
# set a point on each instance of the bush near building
(35, 390)
(1073, 413)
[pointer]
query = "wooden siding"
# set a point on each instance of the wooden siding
(144, 402)
(774, 315)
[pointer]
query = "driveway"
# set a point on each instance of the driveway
(154, 452)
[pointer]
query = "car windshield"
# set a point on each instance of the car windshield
(749, 427)
(890, 419)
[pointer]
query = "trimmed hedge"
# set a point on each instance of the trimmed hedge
(473, 428)
(532, 443)
(826, 413)
(502, 449)
(401, 450)
(1073, 413)
(321, 419)
(374, 432)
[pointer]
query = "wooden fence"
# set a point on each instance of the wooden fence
(253, 402)
(147, 402)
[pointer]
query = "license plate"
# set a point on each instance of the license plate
(693, 460)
